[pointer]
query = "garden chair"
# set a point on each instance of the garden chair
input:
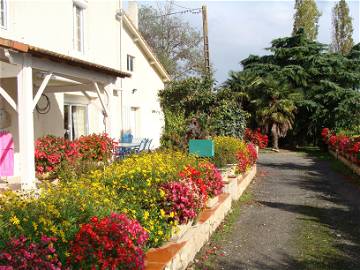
(147, 147)
(142, 146)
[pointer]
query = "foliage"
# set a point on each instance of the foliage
(306, 17)
(227, 119)
(109, 243)
(226, 149)
(177, 44)
(256, 137)
(319, 88)
(342, 40)
(174, 132)
(21, 254)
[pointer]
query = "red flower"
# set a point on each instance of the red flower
(113, 242)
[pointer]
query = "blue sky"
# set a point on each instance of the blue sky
(240, 28)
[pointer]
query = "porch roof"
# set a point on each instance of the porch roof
(57, 57)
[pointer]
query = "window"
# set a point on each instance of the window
(3, 13)
(130, 63)
(78, 28)
(75, 121)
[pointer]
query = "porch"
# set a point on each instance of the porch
(58, 84)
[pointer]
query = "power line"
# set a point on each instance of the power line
(192, 11)
(180, 6)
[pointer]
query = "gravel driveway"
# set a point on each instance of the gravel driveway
(302, 215)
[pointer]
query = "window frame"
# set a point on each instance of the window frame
(5, 13)
(81, 9)
(130, 60)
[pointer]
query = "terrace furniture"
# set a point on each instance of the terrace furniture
(142, 145)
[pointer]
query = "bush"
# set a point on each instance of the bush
(246, 158)
(22, 254)
(226, 149)
(51, 151)
(227, 119)
(113, 242)
(57, 155)
(256, 137)
(96, 147)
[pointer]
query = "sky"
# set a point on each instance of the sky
(240, 28)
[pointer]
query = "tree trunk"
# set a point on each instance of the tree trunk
(275, 137)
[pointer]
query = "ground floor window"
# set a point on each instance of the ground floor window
(75, 121)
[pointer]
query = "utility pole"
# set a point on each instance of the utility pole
(206, 39)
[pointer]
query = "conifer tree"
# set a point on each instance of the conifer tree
(306, 17)
(342, 40)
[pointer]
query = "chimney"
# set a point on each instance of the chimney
(133, 12)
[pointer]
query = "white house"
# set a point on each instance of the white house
(74, 67)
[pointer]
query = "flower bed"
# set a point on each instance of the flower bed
(127, 207)
(348, 147)
(345, 147)
(256, 137)
(54, 155)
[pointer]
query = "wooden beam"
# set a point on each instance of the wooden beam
(101, 100)
(70, 88)
(8, 98)
(41, 89)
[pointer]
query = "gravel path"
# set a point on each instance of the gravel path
(292, 193)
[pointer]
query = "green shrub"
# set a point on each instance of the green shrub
(226, 149)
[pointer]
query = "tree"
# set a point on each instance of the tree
(177, 44)
(326, 84)
(275, 109)
(306, 17)
(342, 40)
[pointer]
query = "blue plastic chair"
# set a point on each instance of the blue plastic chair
(127, 138)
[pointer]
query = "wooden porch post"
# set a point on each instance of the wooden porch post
(26, 124)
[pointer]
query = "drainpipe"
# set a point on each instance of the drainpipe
(120, 57)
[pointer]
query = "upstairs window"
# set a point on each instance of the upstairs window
(3, 13)
(78, 28)
(130, 63)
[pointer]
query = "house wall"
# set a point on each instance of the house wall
(147, 84)
(48, 24)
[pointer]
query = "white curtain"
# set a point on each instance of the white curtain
(79, 121)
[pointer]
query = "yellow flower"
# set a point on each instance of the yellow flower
(172, 214)
(35, 226)
(162, 193)
(146, 215)
(14, 220)
(162, 212)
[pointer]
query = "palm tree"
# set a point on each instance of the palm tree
(275, 109)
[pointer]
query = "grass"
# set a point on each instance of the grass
(206, 257)
(316, 245)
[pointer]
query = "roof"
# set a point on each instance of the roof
(58, 57)
(146, 49)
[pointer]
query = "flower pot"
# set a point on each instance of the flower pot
(180, 230)
(211, 202)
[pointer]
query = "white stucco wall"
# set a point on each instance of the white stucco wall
(148, 83)
(48, 24)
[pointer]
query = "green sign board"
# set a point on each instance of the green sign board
(201, 148)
